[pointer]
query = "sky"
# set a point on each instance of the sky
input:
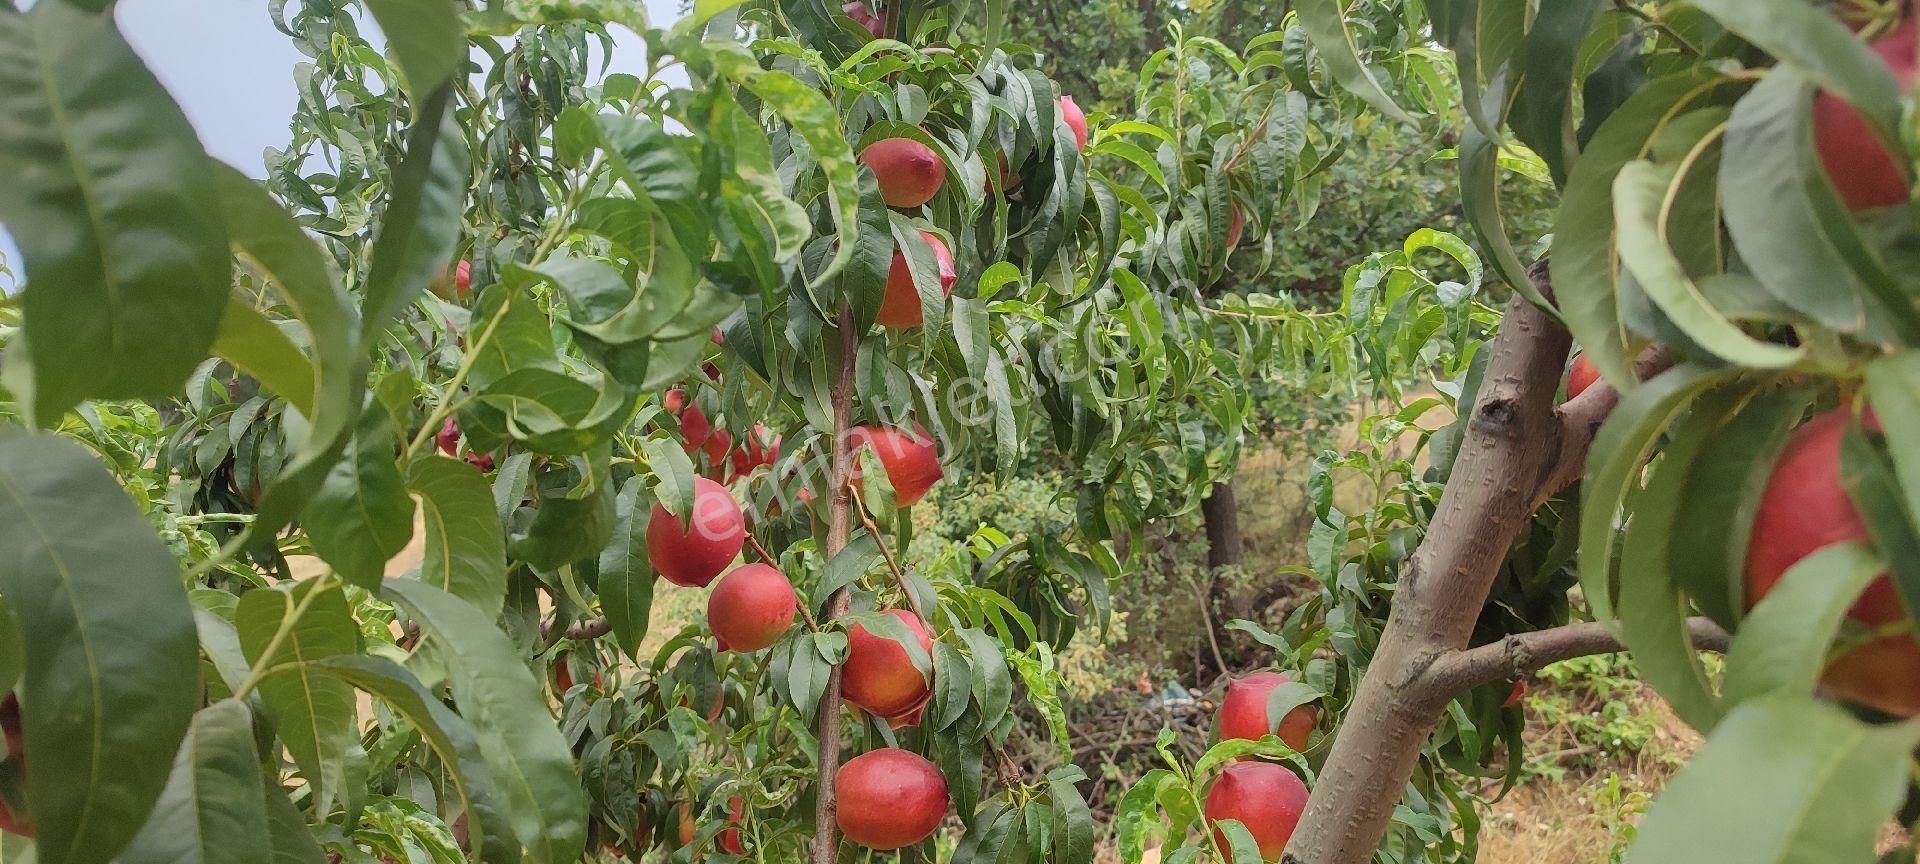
(232, 74)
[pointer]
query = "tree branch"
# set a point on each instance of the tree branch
(1512, 448)
(583, 629)
(591, 628)
(1580, 419)
(1523, 654)
(826, 836)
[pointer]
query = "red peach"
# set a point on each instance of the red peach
(691, 556)
(890, 798)
(879, 675)
(900, 307)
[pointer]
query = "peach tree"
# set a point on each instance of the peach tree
(325, 494)
(1729, 467)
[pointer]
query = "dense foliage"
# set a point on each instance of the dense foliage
(567, 339)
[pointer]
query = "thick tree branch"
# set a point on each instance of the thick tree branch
(1510, 452)
(589, 628)
(1580, 419)
(1523, 654)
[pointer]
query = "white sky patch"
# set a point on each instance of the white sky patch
(232, 74)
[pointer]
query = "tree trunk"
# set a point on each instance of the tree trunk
(1520, 450)
(1511, 448)
(1226, 547)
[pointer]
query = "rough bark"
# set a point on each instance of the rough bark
(1226, 547)
(1523, 654)
(1221, 513)
(1511, 452)
(826, 837)
(1520, 450)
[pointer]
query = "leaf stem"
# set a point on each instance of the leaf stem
(264, 665)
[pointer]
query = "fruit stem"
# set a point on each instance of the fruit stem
(826, 837)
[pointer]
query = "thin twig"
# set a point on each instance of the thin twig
(444, 409)
(759, 550)
(886, 551)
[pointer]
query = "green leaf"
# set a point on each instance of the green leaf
(1893, 389)
(922, 268)
(704, 10)
(1764, 179)
(362, 516)
(626, 576)
(13, 653)
(1724, 482)
(214, 809)
(1585, 271)
(602, 304)
(1642, 196)
(220, 641)
(1072, 820)
(106, 189)
(422, 219)
(1241, 846)
(293, 843)
(316, 717)
(573, 520)
(663, 179)
(1619, 450)
(427, 38)
(263, 234)
(1783, 779)
(859, 557)
(992, 680)
(259, 347)
(893, 629)
(1480, 195)
(973, 333)
(1871, 481)
(447, 733)
(862, 284)
(815, 119)
(800, 671)
(953, 687)
(1323, 21)
(1543, 115)
(1653, 608)
(112, 663)
(1813, 40)
(559, 414)
(1782, 644)
(521, 337)
(1138, 816)
(466, 553)
(498, 694)
(986, 834)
